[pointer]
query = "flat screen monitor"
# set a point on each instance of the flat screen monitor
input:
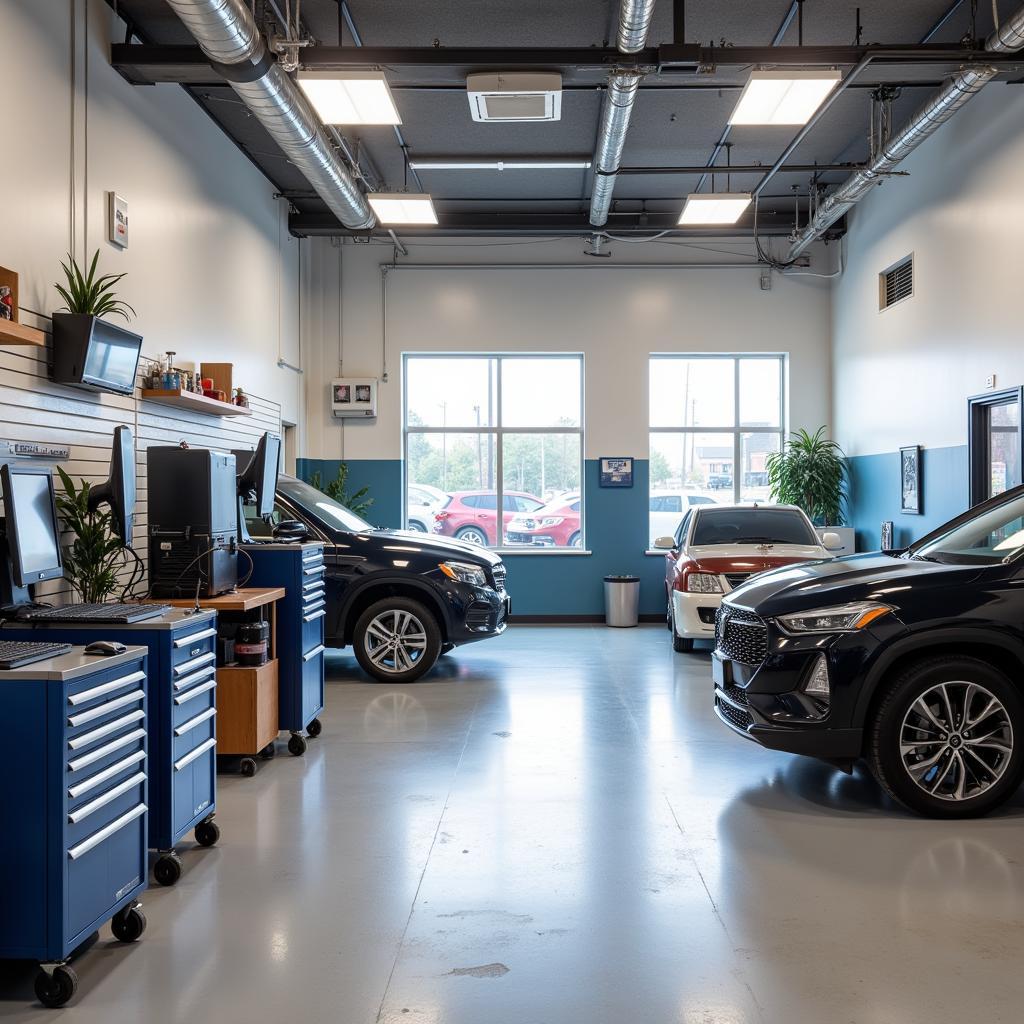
(260, 473)
(33, 537)
(91, 353)
(119, 490)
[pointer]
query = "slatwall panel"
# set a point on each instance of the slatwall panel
(32, 408)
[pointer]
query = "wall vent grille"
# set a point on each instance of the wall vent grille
(896, 283)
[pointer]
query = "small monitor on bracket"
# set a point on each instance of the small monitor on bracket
(119, 490)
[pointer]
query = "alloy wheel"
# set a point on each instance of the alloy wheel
(395, 641)
(956, 740)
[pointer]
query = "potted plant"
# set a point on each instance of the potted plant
(93, 559)
(810, 472)
(88, 300)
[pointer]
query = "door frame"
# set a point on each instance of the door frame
(977, 438)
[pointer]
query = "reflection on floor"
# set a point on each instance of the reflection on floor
(553, 827)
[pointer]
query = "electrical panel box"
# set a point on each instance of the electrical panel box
(354, 397)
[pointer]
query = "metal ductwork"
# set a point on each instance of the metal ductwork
(230, 38)
(1008, 38)
(617, 108)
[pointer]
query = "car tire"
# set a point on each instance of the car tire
(473, 535)
(946, 772)
(415, 524)
(668, 614)
(576, 540)
(378, 625)
(680, 644)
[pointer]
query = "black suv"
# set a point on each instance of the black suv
(913, 660)
(400, 598)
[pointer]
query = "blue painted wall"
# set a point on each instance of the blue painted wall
(548, 584)
(875, 494)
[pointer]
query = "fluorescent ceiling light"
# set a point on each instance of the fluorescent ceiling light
(714, 207)
(403, 207)
(350, 97)
(514, 164)
(783, 97)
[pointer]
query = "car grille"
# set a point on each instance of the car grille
(736, 693)
(740, 719)
(498, 573)
(741, 636)
(737, 579)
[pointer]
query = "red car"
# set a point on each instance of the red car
(473, 515)
(556, 524)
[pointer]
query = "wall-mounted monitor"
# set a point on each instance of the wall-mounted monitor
(30, 511)
(91, 353)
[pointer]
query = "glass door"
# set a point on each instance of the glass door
(994, 439)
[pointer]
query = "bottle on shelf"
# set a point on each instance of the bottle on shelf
(240, 399)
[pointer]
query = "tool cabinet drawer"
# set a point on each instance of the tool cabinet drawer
(108, 804)
(192, 644)
(190, 733)
(199, 695)
(313, 681)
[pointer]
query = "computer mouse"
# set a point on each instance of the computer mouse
(105, 647)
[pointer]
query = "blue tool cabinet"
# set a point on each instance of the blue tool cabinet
(74, 790)
(182, 721)
(299, 568)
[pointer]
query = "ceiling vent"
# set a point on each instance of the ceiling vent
(515, 96)
(896, 283)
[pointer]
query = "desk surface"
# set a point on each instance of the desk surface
(242, 600)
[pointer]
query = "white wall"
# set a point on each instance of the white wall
(902, 376)
(615, 316)
(212, 272)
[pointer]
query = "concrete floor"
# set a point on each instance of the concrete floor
(553, 828)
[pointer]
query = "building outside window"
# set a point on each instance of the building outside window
(714, 420)
(490, 432)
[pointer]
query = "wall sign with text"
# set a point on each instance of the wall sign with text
(616, 472)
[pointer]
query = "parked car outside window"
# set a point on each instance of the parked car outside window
(472, 516)
(556, 524)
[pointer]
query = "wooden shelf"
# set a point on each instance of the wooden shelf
(245, 599)
(196, 403)
(12, 333)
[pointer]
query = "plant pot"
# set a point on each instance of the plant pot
(94, 354)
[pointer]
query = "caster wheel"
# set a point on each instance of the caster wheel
(247, 766)
(167, 869)
(207, 833)
(57, 988)
(315, 728)
(296, 745)
(268, 752)
(129, 924)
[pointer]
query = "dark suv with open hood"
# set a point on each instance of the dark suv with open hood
(913, 660)
(401, 598)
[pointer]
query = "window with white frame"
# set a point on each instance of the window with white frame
(714, 421)
(490, 432)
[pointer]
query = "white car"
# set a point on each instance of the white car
(422, 502)
(667, 509)
(717, 548)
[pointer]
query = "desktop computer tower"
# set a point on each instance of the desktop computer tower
(193, 521)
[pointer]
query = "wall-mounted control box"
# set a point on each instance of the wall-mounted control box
(354, 397)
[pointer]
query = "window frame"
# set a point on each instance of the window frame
(498, 430)
(738, 428)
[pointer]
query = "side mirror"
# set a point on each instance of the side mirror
(831, 541)
(291, 529)
(665, 543)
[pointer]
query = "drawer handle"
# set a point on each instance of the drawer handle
(313, 606)
(83, 696)
(312, 585)
(86, 810)
(105, 833)
(198, 677)
(313, 595)
(86, 785)
(310, 655)
(318, 571)
(184, 698)
(193, 722)
(102, 709)
(190, 666)
(316, 615)
(184, 641)
(87, 739)
(193, 754)
(119, 744)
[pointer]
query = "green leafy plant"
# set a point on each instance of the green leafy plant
(338, 490)
(89, 294)
(810, 472)
(92, 560)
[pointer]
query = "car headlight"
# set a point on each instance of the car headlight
(844, 618)
(463, 572)
(703, 583)
(552, 521)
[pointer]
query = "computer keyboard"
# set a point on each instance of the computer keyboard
(107, 614)
(15, 653)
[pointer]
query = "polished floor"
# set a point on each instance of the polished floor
(553, 828)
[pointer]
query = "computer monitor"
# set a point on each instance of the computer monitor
(260, 474)
(33, 537)
(119, 490)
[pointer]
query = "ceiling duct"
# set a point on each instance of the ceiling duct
(230, 38)
(969, 81)
(634, 24)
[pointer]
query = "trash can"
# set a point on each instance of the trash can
(621, 600)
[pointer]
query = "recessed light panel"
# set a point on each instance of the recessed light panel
(350, 97)
(403, 207)
(714, 207)
(783, 97)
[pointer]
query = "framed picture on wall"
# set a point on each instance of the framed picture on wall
(887, 535)
(616, 472)
(910, 480)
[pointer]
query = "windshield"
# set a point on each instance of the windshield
(321, 507)
(752, 526)
(987, 539)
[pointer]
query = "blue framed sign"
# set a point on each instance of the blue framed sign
(616, 472)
